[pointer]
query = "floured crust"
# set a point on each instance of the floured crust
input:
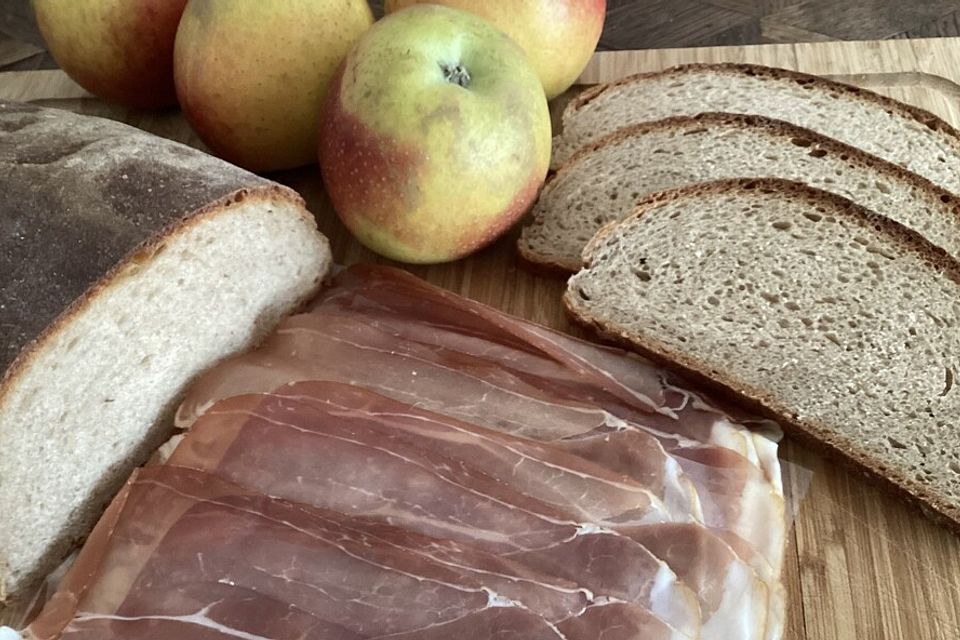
(770, 126)
(812, 434)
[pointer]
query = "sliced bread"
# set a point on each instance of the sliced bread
(840, 323)
(899, 133)
(604, 182)
(128, 265)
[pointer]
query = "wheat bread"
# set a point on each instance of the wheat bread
(899, 133)
(604, 181)
(838, 322)
(128, 265)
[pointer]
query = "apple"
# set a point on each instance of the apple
(119, 50)
(252, 75)
(558, 35)
(435, 137)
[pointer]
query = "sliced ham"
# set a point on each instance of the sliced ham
(402, 463)
(374, 290)
(183, 554)
(350, 450)
(473, 387)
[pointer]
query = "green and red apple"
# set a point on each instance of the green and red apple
(559, 35)
(119, 50)
(435, 137)
(252, 75)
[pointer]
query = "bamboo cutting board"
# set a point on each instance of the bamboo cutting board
(860, 565)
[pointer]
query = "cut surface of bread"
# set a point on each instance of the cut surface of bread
(902, 134)
(604, 182)
(840, 323)
(129, 265)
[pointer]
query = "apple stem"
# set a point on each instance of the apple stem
(456, 74)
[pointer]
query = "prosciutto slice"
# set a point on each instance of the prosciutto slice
(486, 386)
(381, 291)
(403, 463)
(327, 437)
(183, 554)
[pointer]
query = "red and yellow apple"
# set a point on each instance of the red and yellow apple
(558, 35)
(120, 50)
(435, 137)
(252, 75)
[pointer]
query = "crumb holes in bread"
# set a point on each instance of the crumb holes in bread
(642, 274)
(812, 217)
(945, 199)
(947, 382)
(781, 225)
(896, 444)
(817, 153)
(801, 142)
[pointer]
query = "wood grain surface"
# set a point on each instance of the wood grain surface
(860, 565)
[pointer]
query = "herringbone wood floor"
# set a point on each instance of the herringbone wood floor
(646, 24)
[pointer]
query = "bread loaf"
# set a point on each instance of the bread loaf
(839, 322)
(128, 265)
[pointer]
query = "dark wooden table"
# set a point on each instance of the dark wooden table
(649, 24)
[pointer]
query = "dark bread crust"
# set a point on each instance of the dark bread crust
(85, 200)
(917, 114)
(812, 434)
(771, 126)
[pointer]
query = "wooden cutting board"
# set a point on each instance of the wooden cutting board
(860, 565)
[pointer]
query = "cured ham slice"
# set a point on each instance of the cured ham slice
(182, 554)
(314, 347)
(374, 290)
(402, 463)
(524, 505)
(614, 621)
(471, 387)
(588, 491)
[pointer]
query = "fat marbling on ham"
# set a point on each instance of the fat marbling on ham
(400, 462)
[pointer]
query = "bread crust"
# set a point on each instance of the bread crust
(812, 434)
(770, 126)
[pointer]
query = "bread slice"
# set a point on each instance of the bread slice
(603, 182)
(899, 133)
(839, 323)
(128, 265)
